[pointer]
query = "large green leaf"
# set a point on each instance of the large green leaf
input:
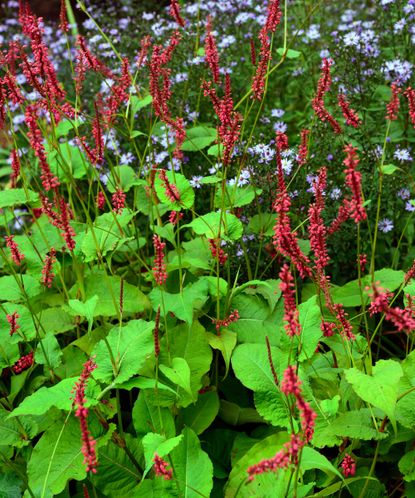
(156, 443)
(198, 138)
(201, 414)
(234, 196)
(310, 318)
(183, 304)
(107, 288)
(225, 342)
(128, 347)
(178, 373)
(218, 225)
(16, 197)
(192, 467)
(186, 193)
(48, 351)
(12, 290)
(379, 389)
(148, 417)
(355, 424)
(106, 234)
(59, 396)
(56, 459)
(251, 365)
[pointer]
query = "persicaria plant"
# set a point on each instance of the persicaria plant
(207, 259)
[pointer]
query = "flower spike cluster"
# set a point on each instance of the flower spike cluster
(318, 104)
(291, 315)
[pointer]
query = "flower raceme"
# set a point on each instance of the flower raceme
(289, 454)
(318, 104)
(81, 412)
(392, 108)
(291, 316)
(410, 95)
(159, 268)
(351, 116)
(160, 468)
(17, 256)
(354, 182)
(211, 51)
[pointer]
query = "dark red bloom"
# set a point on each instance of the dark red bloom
(217, 252)
(156, 333)
(318, 104)
(353, 181)
(346, 328)
(68, 232)
(12, 319)
(118, 200)
(211, 51)
(79, 400)
(17, 256)
(392, 108)
(303, 148)
(15, 163)
(63, 25)
(351, 116)
(175, 217)
(327, 328)
(410, 95)
(23, 363)
(348, 465)
(175, 12)
(291, 316)
(170, 190)
(160, 468)
(159, 268)
(291, 384)
(47, 270)
(100, 200)
(233, 317)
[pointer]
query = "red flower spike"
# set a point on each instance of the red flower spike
(47, 270)
(233, 317)
(160, 468)
(63, 25)
(303, 148)
(217, 252)
(17, 256)
(410, 95)
(15, 163)
(100, 200)
(291, 315)
(23, 363)
(118, 200)
(392, 109)
(346, 329)
(211, 52)
(351, 116)
(12, 319)
(175, 12)
(159, 268)
(354, 182)
(291, 383)
(348, 466)
(170, 190)
(327, 328)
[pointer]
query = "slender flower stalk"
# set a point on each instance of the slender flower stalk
(81, 412)
(17, 256)
(47, 270)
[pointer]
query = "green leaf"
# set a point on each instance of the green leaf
(186, 192)
(216, 150)
(407, 466)
(17, 197)
(289, 54)
(312, 459)
(179, 374)
(106, 234)
(116, 475)
(59, 395)
(48, 351)
(128, 346)
(233, 414)
(191, 344)
(262, 224)
(192, 467)
(225, 342)
(10, 485)
(156, 443)
(10, 290)
(355, 424)
(379, 389)
(389, 169)
(65, 126)
(137, 103)
(123, 177)
(310, 319)
(234, 197)
(56, 459)
(216, 225)
(107, 288)
(350, 295)
(251, 366)
(198, 138)
(264, 449)
(182, 305)
(86, 309)
(67, 162)
(200, 415)
(148, 417)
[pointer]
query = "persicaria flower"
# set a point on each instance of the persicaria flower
(291, 315)
(159, 268)
(233, 317)
(160, 468)
(175, 12)
(12, 319)
(23, 363)
(47, 270)
(81, 412)
(307, 417)
(175, 217)
(291, 383)
(211, 51)
(327, 328)
(100, 200)
(170, 190)
(354, 182)
(351, 116)
(348, 465)
(410, 95)
(346, 328)
(303, 148)
(392, 108)
(118, 200)
(323, 87)
(63, 25)
(15, 163)
(217, 252)
(17, 256)
(362, 262)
